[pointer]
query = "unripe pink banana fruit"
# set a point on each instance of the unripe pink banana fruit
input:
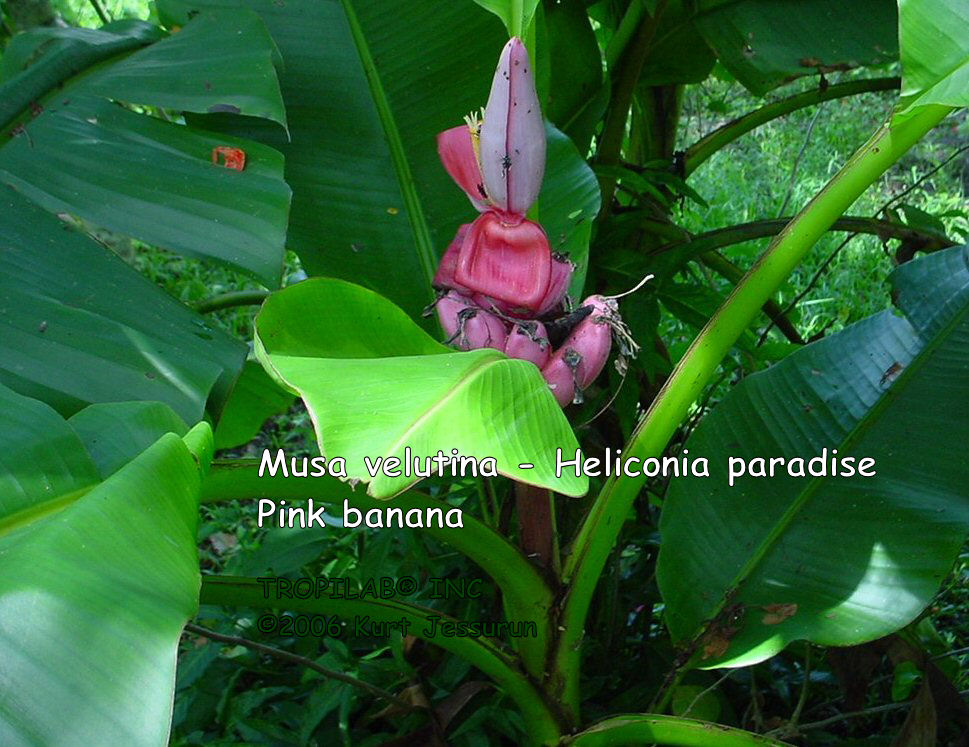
(529, 341)
(592, 339)
(560, 376)
(584, 353)
(467, 326)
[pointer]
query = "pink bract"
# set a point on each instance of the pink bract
(513, 133)
(510, 263)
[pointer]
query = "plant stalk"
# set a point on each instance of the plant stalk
(601, 527)
(102, 13)
(709, 144)
(760, 229)
(536, 525)
(230, 300)
(614, 129)
(302, 661)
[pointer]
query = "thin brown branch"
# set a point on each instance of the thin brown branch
(302, 661)
(847, 716)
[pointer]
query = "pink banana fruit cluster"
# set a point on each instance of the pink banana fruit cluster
(500, 285)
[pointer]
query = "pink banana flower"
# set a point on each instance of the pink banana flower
(500, 162)
(499, 277)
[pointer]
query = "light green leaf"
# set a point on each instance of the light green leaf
(935, 53)
(98, 581)
(254, 398)
(376, 385)
(515, 14)
(834, 560)
(81, 326)
(114, 433)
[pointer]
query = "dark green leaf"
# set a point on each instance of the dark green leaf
(568, 203)
(40, 59)
(678, 53)
(220, 61)
(77, 325)
(765, 43)
(575, 61)
(834, 560)
(82, 155)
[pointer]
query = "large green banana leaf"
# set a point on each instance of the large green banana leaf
(98, 579)
(77, 325)
(766, 43)
(73, 151)
(933, 53)
(831, 559)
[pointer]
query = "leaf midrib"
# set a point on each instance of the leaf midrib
(39, 510)
(467, 377)
(405, 179)
(871, 417)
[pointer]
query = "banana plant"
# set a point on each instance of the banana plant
(231, 133)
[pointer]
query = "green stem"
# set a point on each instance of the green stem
(728, 270)
(692, 246)
(484, 653)
(624, 34)
(102, 13)
(706, 146)
(641, 728)
(517, 18)
(602, 525)
(526, 596)
(231, 299)
(302, 661)
(614, 129)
